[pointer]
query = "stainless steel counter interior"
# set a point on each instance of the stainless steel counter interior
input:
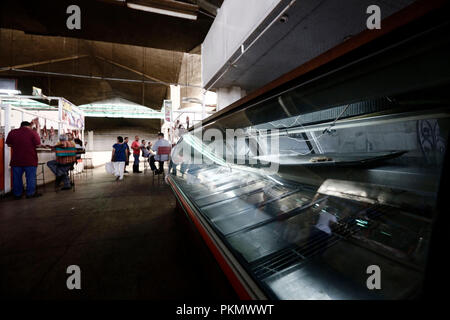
(337, 275)
(186, 187)
(192, 181)
(199, 190)
(244, 212)
(300, 231)
(209, 176)
(297, 230)
(245, 219)
(312, 281)
(229, 184)
(197, 170)
(213, 175)
(236, 191)
(244, 202)
(192, 168)
(392, 233)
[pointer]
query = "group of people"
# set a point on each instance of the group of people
(179, 129)
(121, 152)
(24, 159)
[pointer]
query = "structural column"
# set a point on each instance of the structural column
(227, 96)
(7, 150)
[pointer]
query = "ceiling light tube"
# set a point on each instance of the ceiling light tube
(161, 11)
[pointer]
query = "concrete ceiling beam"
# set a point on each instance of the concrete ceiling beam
(206, 5)
(132, 70)
(38, 63)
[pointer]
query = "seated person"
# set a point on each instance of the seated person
(151, 153)
(145, 152)
(161, 142)
(65, 159)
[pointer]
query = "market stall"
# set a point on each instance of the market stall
(49, 116)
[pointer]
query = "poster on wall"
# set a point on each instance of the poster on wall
(71, 115)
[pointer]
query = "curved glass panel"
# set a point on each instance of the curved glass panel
(345, 195)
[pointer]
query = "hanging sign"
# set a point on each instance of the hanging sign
(168, 110)
(37, 91)
(71, 115)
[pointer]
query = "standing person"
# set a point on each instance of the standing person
(66, 157)
(181, 131)
(127, 161)
(24, 158)
(119, 157)
(80, 149)
(161, 142)
(143, 147)
(136, 152)
(177, 124)
(78, 143)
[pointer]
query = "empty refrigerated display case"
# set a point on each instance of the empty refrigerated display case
(330, 175)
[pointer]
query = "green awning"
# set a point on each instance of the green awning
(28, 104)
(120, 108)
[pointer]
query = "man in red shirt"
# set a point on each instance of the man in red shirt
(24, 158)
(136, 146)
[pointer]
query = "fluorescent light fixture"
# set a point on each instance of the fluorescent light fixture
(192, 100)
(162, 11)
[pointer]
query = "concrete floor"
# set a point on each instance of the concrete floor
(127, 237)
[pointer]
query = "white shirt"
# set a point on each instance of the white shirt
(145, 152)
(324, 221)
(161, 143)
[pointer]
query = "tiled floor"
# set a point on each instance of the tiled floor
(127, 238)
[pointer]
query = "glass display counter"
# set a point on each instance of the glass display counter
(355, 187)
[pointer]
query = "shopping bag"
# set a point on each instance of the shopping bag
(109, 167)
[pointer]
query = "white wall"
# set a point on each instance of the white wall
(234, 23)
(103, 140)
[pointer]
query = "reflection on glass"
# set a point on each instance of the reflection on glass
(299, 240)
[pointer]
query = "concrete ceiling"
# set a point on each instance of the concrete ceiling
(110, 21)
(85, 71)
(119, 52)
